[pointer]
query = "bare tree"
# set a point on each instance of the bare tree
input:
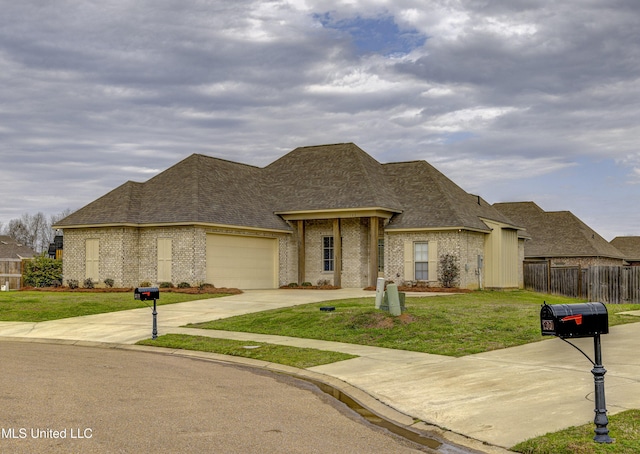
(30, 230)
(34, 230)
(60, 216)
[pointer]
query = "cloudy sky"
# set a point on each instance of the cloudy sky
(513, 100)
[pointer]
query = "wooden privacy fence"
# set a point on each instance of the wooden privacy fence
(608, 284)
(11, 273)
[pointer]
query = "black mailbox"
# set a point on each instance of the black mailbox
(146, 293)
(574, 320)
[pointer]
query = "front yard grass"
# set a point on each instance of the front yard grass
(452, 325)
(623, 428)
(40, 306)
(281, 354)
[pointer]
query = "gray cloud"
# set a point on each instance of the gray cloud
(507, 98)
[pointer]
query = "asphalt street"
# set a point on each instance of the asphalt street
(64, 398)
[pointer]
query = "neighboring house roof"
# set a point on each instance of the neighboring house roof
(202, 189)
(629, 246)
(11, 249)
(556, 233)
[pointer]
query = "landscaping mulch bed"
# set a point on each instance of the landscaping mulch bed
(190, 290)
(310, 287)
(428, 289)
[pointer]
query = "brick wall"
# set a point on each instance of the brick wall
(187, 244)
(117, 254)
(585, 262)
(464, 245)
(129, 256)
(355, 251)
(314, 232)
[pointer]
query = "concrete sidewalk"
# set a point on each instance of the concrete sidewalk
(500, 397)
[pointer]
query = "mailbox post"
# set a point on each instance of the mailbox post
(583, 320)
(147, 294)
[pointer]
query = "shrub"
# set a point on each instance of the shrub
(323, 282)
(206, 285)
(109, 282)
(145, 284)
(165, 285)
(292, 284)
(42, 271)
(73, 283)
(449, 270)
(306, 284)
(184, 285)
(88, 283)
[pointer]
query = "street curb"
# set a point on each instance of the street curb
(376, 412)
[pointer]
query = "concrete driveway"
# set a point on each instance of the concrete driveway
(128, 327)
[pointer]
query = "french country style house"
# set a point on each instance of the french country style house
(328, 213)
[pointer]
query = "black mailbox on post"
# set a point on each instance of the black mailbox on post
(574, 320)
(146, 293)
(583, 320)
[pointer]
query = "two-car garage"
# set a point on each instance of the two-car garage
(244, 262)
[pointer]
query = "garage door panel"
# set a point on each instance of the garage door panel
(241, 262)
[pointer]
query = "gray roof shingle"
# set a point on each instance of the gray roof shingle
(629, 246)
(556, 233)
(329, 177)
(199, 189)
(431, 200)
(11, 249)
(202, 189)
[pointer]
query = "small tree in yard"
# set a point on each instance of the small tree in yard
(42, 271)
(449, 270)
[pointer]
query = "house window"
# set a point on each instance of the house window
(327, 253)
(421, 261)
(380, 255)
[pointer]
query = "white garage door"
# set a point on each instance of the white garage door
(242, 262)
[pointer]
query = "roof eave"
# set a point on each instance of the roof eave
(555, 256)
(174, 224)
(392, 229)
(299, 215)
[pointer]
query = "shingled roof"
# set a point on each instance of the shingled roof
(629, 246)
(431, 200)
(11, 249)
(328, 177)
(202, 189)
(199, 189)
(556, 233)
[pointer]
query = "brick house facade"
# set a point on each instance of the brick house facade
(329, 213)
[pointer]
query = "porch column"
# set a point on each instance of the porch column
(337, 253)
(373, 250)
(301, 253)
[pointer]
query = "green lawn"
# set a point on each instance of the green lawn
(453, 325)
(281, 354)
(39, 306)
(624, 428)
